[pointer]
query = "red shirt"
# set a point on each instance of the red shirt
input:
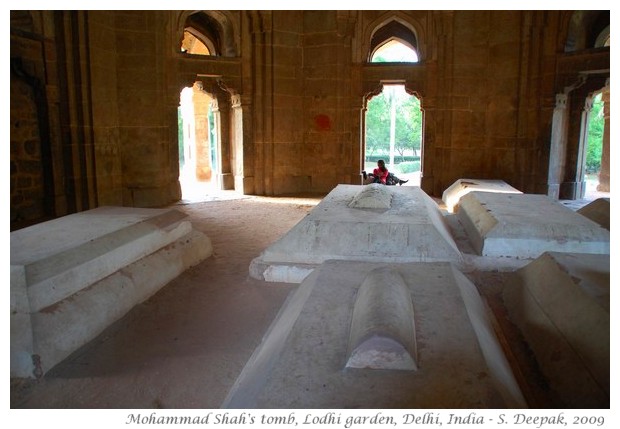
(382, 175)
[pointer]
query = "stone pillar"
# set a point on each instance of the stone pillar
(558, 146)
(75, 105)
(603, 177)
(580, 177)
(360, 155)
(241, 145)
(574, 138)
(202, 139)
(221, 121)
(436, 155)
(189, 145)
(263, 119)
(429, 130)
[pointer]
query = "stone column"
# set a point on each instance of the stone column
(603, 177)
(242, 155)
(557, 149)
(574, 139)
(221, 124)
(202, 139)
(261, 71)
(360, 156)
(436, 154)
(580, 176)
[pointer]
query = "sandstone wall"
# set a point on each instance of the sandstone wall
(289, 89)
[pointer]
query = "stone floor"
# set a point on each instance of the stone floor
(184, 347)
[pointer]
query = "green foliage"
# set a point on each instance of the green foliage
(180, 137)
(408, 124)
(595, 136)
(377, 126)
(408, 167)
(398, 159)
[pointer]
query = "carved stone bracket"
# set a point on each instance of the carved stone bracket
(560, 101)
(581, 80)
(238, 100)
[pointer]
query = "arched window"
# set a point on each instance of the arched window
(394, 42)
(194, 45)
(603, 39)
(201, 35)
(394, 51)
(587, 29)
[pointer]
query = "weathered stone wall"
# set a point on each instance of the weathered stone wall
(31, 168)
(149, 172)
(328, 144)
(481, 98)
(290, 88)
(284, 172)
(27, 191)
(105, 107)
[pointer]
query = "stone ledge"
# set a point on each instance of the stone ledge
(412, 229)
(560, 302)
(597, 211)
(527, 225)
(73, 305)
(453, 194)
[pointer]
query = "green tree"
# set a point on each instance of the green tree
(377, 126)
(408, 123)
(180, 137)
(595, 136)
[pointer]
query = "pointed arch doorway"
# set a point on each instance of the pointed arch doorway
(393, 122)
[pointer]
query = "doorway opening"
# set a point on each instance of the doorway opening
(197, 145)
(393, 118)
(394, 133)
(597, 185)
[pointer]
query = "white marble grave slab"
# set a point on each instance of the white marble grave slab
(560, 302)
(597, 211)
(445, 349)
(453, 194)
(374, 223)
(526, 225)
(73, 276)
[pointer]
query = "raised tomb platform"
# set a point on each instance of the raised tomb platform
(373, 223)
(453, 194)
(377, 335)
(526, 225)
(597, 211)
(560, 302)
(73, 276)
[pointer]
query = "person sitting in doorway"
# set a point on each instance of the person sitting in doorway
(382, 175)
